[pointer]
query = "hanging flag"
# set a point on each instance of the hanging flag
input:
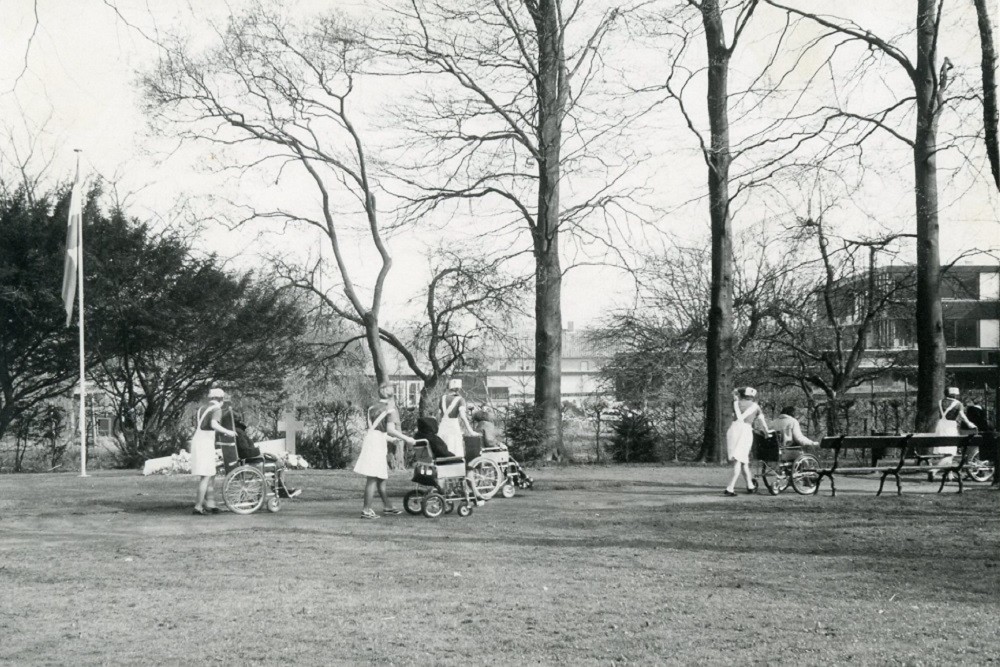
(72, 248)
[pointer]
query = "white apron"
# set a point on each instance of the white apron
(946, 427)
(202, 450)
(374, 450)
(739, 437)
(450, 430)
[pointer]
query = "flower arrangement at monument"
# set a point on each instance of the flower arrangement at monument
(180, 463)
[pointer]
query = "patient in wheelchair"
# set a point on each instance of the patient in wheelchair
(482, 423)
(246, 450)
(427, 430)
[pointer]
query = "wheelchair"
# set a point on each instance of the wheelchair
(515, 476)
(781, 464)
(251, 483)
(451, 484)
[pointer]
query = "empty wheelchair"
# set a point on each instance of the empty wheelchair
(450, 484)
(251, 483)
(515, 476)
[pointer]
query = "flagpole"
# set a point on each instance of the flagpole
(83, 379)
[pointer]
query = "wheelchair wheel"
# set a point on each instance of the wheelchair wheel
(412, 502)
(273, 504)
(486, 478)
(464, 509)
(980, 470)
(433, 505)
(775, 478)
(244, 490)
(508, 490)
(805, 475)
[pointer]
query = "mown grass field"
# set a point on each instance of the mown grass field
(595, 565)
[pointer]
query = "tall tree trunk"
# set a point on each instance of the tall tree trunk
(930, 324)
(427, 408)
(720, 314)
(548, 350)
(370, 322)
(832, 414)
(991, 116)
(551, 84)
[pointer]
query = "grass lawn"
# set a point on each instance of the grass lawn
(595, 565)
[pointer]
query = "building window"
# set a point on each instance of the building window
(891, 334)
(989, 286)
(413, 394)
(956, 285)
(103, 426)
(399, 393)
(499, 393)
(989, 333)
(961, 333)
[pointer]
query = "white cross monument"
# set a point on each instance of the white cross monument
(291, 427)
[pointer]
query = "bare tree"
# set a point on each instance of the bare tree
(744, 158)
(659, 362)
(288, 92)
(991, 116)
(929, 86)
(505, 130)
(468, 304)
(720, 312)
(825, 322)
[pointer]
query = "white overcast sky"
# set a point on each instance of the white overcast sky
(74, 87)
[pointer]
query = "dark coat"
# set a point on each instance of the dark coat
(427, 430)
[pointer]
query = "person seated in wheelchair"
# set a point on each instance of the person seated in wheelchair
(482, 423)
(446, 463)
(427, 431)
(791, 431)
(248, 452)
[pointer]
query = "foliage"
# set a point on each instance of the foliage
(41, 428)
(52, 422)
(165, 325)
(38, 353)
(523, 429)
(329, 435)
(635, 439)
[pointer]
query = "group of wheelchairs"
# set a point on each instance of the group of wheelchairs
(461, 483)
(443, 485)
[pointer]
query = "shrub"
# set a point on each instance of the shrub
(635, 440)
(523, 430)
(327, 441)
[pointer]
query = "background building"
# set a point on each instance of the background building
(508, 375)
(970, 299)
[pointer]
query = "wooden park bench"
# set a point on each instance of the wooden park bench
(908, 445)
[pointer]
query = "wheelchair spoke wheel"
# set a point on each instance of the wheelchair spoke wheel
(244, 490)
(433, 505)
(486, 478)
(412, 502)
(979, 470)
(805, 475)
(775, 478)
